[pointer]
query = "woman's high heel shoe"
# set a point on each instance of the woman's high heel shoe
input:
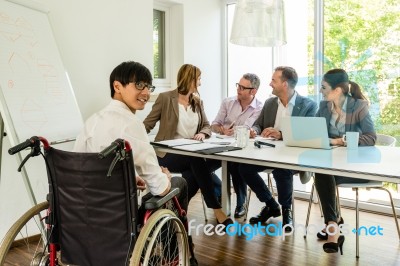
(227, 222)
(325, 236)
(332, 247)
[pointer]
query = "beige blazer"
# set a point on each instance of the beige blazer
(166, 110)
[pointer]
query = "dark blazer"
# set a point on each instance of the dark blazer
(358, 119)
(303, 107)
(166, 110)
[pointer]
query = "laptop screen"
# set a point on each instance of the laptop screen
(307, 132)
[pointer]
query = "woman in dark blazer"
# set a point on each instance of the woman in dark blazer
(346, 110)
(181, 115)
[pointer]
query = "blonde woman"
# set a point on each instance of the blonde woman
(181, 115)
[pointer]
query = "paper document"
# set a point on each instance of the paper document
(262, 138)
(176, 142)
(224, 141)
(223, 136)
(197, 147)
(207, 148)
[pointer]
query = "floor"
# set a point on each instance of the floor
(378, 247)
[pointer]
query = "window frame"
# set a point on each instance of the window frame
(318, 72)
(164, 82)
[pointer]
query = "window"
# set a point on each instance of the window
(263, 60)
(163, 27)
(167, 43)
(360, 36)
(159, 44)
(241, 60)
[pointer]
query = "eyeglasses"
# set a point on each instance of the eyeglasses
(141, 85)
(242, 88)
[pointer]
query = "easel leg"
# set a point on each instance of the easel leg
(1, 141)
(24, 174)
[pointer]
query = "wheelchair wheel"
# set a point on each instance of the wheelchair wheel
(162, 241)
(30, 229)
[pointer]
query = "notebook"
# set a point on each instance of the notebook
(206, 147)
(306, 132)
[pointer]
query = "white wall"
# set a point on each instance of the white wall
(94, 36)
(203, 45)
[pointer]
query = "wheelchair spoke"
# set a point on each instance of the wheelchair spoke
(26, 234)
(162, 241)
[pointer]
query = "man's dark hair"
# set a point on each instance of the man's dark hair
(338, 78)
(289, 74)
(129, 71)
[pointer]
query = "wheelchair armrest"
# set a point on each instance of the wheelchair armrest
(156, 202)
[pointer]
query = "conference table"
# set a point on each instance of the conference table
(379, 163)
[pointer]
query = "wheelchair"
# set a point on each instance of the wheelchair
(92, 217)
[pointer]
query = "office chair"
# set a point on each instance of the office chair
(382, 140)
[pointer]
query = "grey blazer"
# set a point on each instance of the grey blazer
(358, 119)
(303, 107)
(166, 110)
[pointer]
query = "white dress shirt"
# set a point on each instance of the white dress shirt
(284, 111)
(117, 121)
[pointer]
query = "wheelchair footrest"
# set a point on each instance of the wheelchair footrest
(156, 202)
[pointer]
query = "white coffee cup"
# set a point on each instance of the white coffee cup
(242, 135)
(351, 140)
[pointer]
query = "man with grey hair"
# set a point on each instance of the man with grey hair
(240, 110)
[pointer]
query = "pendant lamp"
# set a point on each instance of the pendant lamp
(259, 23)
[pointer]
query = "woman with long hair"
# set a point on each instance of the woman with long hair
(346, 110)
(181, 115)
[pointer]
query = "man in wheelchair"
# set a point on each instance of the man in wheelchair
(130, 85)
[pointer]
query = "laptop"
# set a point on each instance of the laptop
(306, 132)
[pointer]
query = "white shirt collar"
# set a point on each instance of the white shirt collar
(292, 100)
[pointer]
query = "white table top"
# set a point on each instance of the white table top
(375, 163)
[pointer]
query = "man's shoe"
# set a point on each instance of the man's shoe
(287, 219)
(304, 177)
(240, 211)
(265, 214)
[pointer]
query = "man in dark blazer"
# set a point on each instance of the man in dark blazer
(287, 103)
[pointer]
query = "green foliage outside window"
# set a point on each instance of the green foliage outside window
(362, 37)
(158, 44)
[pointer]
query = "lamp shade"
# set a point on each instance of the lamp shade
(259, 23)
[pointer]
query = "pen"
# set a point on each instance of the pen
(258, 144)
(232, 124)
